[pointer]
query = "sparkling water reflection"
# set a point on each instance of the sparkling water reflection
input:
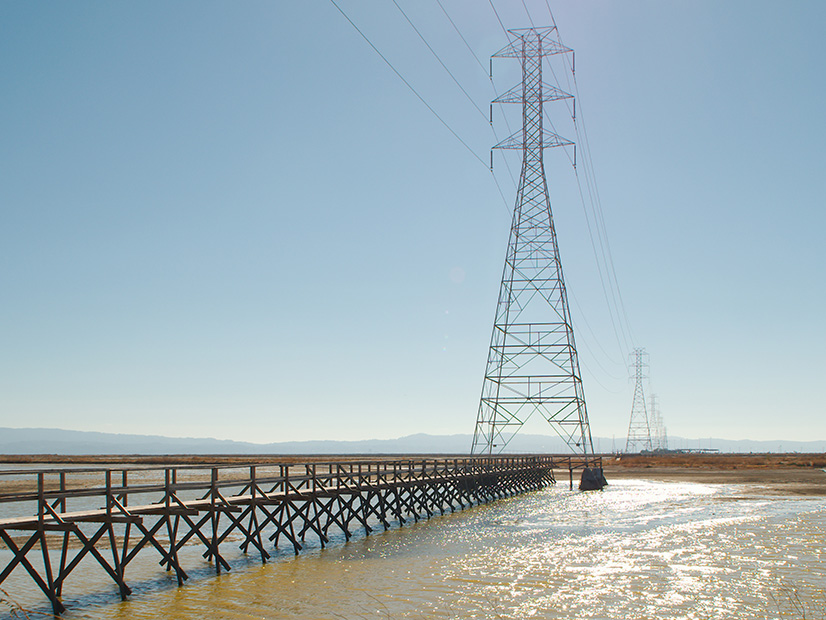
(639, 549)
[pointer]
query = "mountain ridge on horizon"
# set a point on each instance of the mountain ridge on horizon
(17, 441)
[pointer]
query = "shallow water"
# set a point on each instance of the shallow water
(638, 549)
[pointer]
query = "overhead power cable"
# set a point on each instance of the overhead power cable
(530, 19)
(459, 32)
(596, 338)
(495, 12)
(427, 105)
(493, 86)
(595, 202)
(406, 83)
(553, 21)
(436, 56)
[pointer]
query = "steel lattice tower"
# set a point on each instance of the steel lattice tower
(654, 421)
(639, 428)
(532, 365)
(659, 439)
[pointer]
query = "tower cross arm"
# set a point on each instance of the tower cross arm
(516, 48)
(516, 94)
(549, 140)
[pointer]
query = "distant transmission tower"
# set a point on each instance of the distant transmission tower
(659, 439)
(639, 428)
(532, 366)
(654, 421)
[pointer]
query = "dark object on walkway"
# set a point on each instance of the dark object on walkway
(592, 479)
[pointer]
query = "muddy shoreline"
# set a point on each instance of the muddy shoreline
(759, 474)
(797, 481)
(764, 474)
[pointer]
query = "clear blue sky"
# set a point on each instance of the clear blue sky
(234, 220)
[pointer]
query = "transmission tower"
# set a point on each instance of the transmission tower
(639, 428)
(655, 422)
(532, 366)
(659, 439)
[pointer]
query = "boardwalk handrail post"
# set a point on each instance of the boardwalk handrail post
(167, 488)
(49, 590)
(213, 492)
(41, 495)
(62, 487)
(109, 502)
(315, 481)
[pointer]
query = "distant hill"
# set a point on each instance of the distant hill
(57, 441)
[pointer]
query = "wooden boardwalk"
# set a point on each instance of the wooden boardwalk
(61, 517)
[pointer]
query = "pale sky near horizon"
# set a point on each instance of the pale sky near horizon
(234, 220)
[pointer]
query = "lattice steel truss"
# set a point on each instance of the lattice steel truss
(639, 427)
(659, 434)
(532, 365)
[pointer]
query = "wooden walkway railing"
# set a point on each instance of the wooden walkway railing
(52, 519)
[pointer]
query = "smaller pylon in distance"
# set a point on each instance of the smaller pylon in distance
(659, 437)
(639, 427)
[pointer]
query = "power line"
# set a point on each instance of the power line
(495, 12)
(553, 21)
(429, 107)
(595, 201)
(479, 62)
(602, 278)
(436, 56)
(456, 28)
(530, 19)
(596, 338)
(493, 86)
(602, 232)
(406, 83)
(490, 75)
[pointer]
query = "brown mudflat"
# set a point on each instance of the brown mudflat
(765, 474)
(775, 474)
